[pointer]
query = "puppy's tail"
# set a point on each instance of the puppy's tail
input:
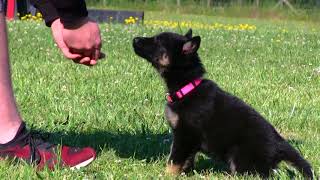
(289, 154)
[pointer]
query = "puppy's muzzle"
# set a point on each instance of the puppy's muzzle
(137, 41)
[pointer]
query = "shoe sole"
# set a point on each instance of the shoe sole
(78, 166)
(83, 164)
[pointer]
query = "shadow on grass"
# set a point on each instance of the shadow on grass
(142, 146)
(214, 165)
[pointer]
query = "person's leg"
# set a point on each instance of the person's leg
(9, 116)
(15, 140)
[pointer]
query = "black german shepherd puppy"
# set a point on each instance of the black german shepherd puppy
(205, 118)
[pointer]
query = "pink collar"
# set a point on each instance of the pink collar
(183, 91)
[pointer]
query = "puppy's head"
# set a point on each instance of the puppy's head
(168, 51)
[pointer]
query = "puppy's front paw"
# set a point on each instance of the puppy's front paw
(174, 169)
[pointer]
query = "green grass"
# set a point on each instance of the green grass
(117, 106)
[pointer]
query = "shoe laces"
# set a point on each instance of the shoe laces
(35, 140)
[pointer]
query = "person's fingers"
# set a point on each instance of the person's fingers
(97, 49)
(98, 43)
(96, 54)
(93, 62)
(56, 28)
(87, 52)
(92, 54)
(66, 52)
(87, 57)
(85, 60)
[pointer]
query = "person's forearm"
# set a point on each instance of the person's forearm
(70, 12)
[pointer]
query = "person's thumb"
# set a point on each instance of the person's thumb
(56, 28)
(66, 52)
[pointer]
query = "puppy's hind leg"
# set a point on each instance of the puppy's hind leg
(230, 158)
(241, 160)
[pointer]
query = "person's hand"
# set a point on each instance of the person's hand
(85, 40)
(81, 43)
(56, 28)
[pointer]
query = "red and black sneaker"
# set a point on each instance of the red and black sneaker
(36, 151)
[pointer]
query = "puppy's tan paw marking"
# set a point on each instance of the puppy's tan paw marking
(173, 169)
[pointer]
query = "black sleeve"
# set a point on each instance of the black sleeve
(47, 9)
(1, 6)
(69, 11)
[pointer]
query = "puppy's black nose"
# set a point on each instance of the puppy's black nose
(136, 40)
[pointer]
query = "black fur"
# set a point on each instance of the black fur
(209, 119)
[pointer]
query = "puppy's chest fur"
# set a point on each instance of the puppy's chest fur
(191, 117)
(195, 110)
(172, 117)
(183, 118)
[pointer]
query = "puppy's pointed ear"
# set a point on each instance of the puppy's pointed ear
(189, 34)
(191, 46)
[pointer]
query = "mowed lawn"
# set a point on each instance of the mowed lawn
(117, 106)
